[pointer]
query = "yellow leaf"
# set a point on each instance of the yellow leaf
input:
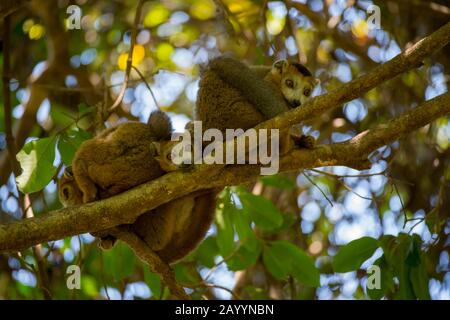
(138, 56)
(36, 32)
(27, 25)
(274, 25)
(156, 15)
(202, 9)
(164, 51)
(360, 28)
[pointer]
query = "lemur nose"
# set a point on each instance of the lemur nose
(296, 103)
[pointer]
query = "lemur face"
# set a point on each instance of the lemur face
(295, 81)
(68, 191)
(164, 155)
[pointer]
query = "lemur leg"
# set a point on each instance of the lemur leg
(84, 182)
(305, 141)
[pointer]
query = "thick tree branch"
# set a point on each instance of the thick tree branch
(409, 59)
(126, 207)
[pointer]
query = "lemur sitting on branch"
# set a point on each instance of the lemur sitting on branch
(231, 95)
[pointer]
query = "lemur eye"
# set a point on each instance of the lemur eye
(306, 92)
(66, 192)
(169, 156)
(289, 83)
(68, 173)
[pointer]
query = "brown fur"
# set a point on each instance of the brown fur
(123, 157)
(232, 95)
(116, 160)
(172, 230)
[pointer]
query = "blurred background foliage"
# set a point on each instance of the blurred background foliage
(281, 237)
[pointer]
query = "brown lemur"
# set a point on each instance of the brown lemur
(123, 157)
(233, 95)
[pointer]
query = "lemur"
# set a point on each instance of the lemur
(234, 96)
(231, 95)
(123, 157)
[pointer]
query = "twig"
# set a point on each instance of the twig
(401, 202)
(137, 18)
(147, 85)
(25, 207)
(41, 269)
(362, 175)
(214, 286)
(315, 185)
(126, 207)
(338, 179)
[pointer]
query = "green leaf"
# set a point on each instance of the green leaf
(413, 257)
(36, 159)
(247, 255)
(419, 280)
(69, 143)
(225, 230)
(186, 273)
(386, 280)
(284, 258)
(351, 256)
(276, 261)
(262, 211)
(303, 268)
(89, 286)
(242, 225)
(396, 255)
(153, 281)
(278, 181)
(119, 262)
(84, 109)
(206, 252)
(405, 289)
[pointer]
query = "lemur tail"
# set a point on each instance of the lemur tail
(161, 125)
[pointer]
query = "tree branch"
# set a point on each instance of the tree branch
(156, 264)
(126, 207)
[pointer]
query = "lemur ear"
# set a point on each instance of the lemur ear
(280, 64)
(156, 148)
(68, 173)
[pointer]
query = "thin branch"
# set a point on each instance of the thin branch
(320, 189)
(402, 204)
(126, 207)
(347, 187)
(361, 175)
(137, 18)
(213, 286)
(147, 85)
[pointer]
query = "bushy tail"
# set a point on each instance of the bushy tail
(161, 125)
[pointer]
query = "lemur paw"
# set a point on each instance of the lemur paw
(305, 141)
(107, 243)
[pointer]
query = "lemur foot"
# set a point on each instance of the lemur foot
(305, 141)
(107, 243)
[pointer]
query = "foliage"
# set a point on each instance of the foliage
(313, 235)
